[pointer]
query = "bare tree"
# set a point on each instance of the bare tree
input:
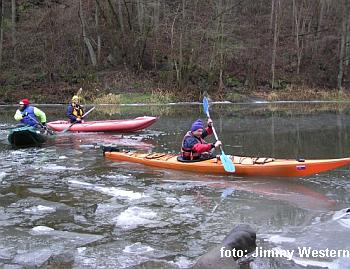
(172, 47)
(272, 14)
(221, 38)
(347, 50)
(300, 23)
(120, 16)
(2, 8)
(85, 38)
(342, 46)
(320, 17)
(156, 15)
(13, 20)
(97, 23)
(140, 14)
(275, 41)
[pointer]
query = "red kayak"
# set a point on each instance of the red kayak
(122, 126)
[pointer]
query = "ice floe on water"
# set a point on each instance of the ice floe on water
(136, 216)
(40, 191)
(171, 201)
(39, 209)
(77, 183)
(337, 264)
(2, 175)
(112, 191)
(41, 230)
(137, 248)
(277, 239)
(183, 262)
(123, 194)
(343, 217)
(55, 167)
(119, 177)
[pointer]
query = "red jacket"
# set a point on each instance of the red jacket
(192, 146)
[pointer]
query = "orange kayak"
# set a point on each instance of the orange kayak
(245, 166)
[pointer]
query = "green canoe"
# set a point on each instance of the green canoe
(26, 136)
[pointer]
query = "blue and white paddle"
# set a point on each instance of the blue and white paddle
(226, 161)
(224, 194)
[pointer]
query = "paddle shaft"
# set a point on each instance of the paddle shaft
(226, 162)
(88, 112)
(8, 127)
(41, 125)
(212, 127)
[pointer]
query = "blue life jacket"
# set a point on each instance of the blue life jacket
(31, 119)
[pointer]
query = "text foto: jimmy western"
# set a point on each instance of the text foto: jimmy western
(303, 252)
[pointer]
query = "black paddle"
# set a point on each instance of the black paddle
(51, 132)
(8, 127)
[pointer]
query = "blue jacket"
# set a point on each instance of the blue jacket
(29, 119)
(31, 116)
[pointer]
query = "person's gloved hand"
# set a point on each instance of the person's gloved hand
(210, 123)
(78, 119)
(217, 144)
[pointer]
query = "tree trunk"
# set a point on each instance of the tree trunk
(221, 52)
(275, 41)
(216, 42)
(85, 38)
(300, 24)
(120, 16)
(347, 50)
(172, 52)
(13, 20)
(320, 18)
(98, 33)
(1, 28)
(297, 29)
(156, 28)
(271, 14)
(156, 16)
(180, 67)
(140, 15)
(342, 47)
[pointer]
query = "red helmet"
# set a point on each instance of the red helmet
(24, 101)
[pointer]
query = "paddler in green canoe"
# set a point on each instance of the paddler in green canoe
(30, 115)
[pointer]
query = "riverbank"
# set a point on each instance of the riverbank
(159, 96)
(126, 88)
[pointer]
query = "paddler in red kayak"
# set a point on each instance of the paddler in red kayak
(193, 145)
(75, 111)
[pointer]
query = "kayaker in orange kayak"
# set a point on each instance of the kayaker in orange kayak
(193, 144)
(75, 111)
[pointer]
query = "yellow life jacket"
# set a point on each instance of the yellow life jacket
(78, 111)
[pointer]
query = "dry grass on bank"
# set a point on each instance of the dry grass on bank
(307, 94)
(109, 98)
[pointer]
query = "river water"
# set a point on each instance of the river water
(64, 204)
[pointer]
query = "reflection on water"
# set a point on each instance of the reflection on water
(96, 213)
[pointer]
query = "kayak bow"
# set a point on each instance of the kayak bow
(26, 136)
